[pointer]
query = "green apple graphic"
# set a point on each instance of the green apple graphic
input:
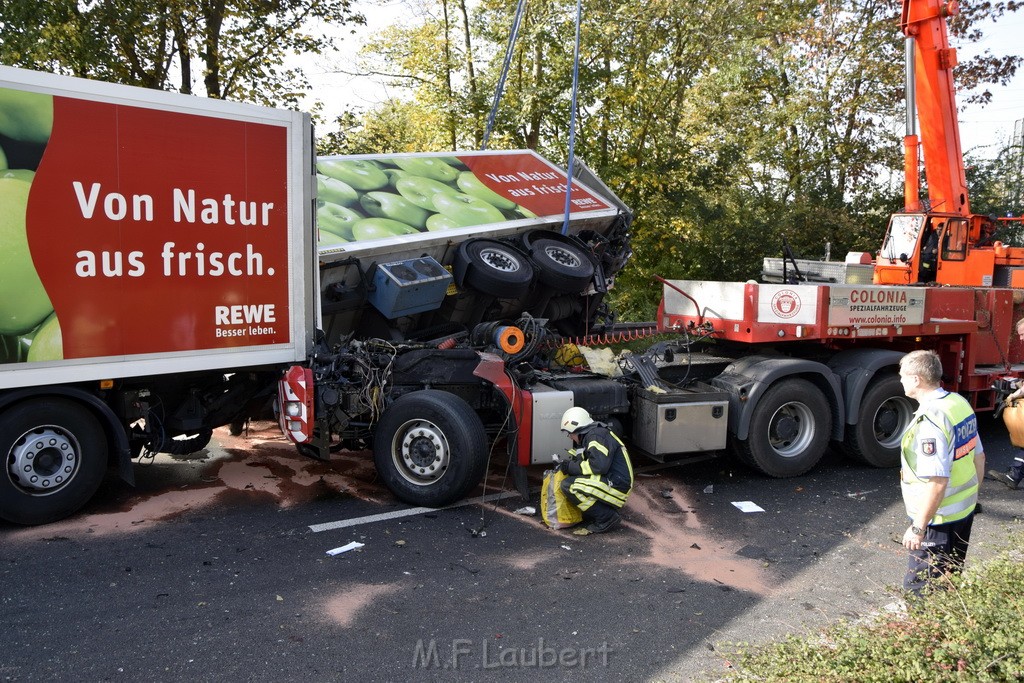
(23, 300)
(441, 222)
(526, 213)
(454, 162)
(26, 116)
(394, 206)
(333, 190)
(396, 174)
(3, 160)
(337, 219)
(375, 228)
(429, 167)
(47, 344)
(8, 349)
(328, 237)
(22, 174)
(466, 210)
(472, 186)
(360, 174)
(421, 191)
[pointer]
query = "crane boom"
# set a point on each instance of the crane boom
(939, 241)
(924, 23)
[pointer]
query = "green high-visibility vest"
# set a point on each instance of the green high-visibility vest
(955, 417)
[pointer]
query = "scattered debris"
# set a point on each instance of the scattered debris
(710, 488)
(747, 506)
(666, 493)
(354, 545)
(528, 510)
(860, 495)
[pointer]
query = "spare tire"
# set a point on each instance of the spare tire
(494, 268)
(561, 265)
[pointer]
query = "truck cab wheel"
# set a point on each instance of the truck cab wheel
(789, 429)
(885, 413)
(494, 268)
(430, 448)
(55, 455)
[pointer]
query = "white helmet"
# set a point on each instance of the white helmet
(575, 419)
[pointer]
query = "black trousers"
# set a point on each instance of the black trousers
(943, 551)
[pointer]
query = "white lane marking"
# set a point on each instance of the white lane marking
(369, 519)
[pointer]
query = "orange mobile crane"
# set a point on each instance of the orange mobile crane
(939, 240)
(809, 364)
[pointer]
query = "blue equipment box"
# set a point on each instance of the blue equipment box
(409, 286)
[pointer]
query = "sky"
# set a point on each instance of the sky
(984, 130)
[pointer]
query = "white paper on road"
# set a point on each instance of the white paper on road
(354, 545)
(748, 506)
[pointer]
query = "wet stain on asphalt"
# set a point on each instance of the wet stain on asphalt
(253, 466)
(344, 606)
(677, 543)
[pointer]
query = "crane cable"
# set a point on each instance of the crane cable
(572, 117)
(509, 50)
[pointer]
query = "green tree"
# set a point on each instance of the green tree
(230, 49)
(726, 125)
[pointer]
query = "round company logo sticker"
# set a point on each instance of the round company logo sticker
(786, 303)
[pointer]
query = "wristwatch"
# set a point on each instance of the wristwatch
(917, 531)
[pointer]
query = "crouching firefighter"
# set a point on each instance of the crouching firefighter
(599, 474)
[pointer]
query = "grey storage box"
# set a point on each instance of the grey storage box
(680, 421)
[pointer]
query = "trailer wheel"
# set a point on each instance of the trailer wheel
(430, 448)
(789, 430)
(884, 414)
(495, 268)
(55, 456)
(562, 266)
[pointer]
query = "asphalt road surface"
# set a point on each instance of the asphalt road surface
(216, 568)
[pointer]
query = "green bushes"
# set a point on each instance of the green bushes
(970, 630)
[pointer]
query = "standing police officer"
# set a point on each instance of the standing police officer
(942, 463)
(600, 475)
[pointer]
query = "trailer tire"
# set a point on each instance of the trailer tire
(883, 416)
(55, 456)
(561, 266)
(494, 268)
(430, 448)
(789, 429)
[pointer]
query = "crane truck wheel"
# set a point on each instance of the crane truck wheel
(884, 414)
(561, 266)
(55, 457)
(789, 429)
(430, 448)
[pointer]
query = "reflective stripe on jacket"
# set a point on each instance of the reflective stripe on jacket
(953, 415)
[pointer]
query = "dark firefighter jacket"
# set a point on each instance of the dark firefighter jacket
(602, 454)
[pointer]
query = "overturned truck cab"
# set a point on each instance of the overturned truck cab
(455, 294)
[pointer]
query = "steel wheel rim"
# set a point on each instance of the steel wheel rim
(791, 429)
(499, 259)
(563, 256)
(43, 460)
(890, 436)
(421, 452)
